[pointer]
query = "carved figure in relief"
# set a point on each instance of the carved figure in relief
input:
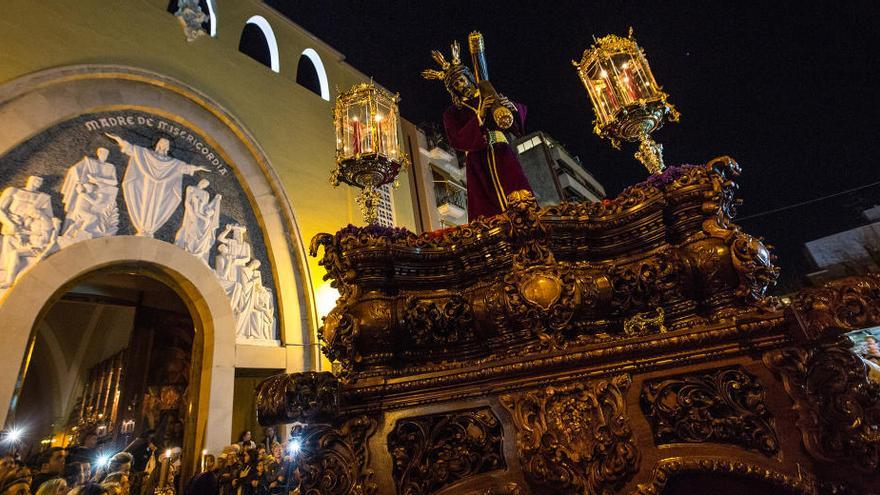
(252, 303)
(232, 254)
(152, 184)
(89, 196)
(265, 308)
(29, 228)
(201, 219)
(252, 320)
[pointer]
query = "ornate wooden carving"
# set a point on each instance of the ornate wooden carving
(666, 469)
(838, 407)
(432, 452)
(575, 438)
(300, 397)
(724, 406)
(531, 279)
(334, 460)
(529, 309)
(840, 306)
(440, 323)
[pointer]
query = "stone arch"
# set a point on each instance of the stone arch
(36, 102)
(310, 55)
(26, 302)
(269, 35)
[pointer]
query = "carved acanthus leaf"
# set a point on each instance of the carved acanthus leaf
(432, 452)
(333, 460)
(724, 406)
(838, 407)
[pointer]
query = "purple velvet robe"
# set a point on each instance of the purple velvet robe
(492, 173)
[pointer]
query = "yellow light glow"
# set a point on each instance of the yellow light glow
(604, 73)
(325, 299)
(379, 117)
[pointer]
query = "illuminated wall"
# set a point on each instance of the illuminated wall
(261, 110)
(290, 123)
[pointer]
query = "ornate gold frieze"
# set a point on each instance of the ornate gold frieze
(723, 406)
(575, 438)
(435, 451)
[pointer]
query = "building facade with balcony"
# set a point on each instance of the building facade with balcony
(554, 174)
(438, 182)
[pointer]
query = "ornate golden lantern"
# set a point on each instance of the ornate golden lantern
(368, 152)
(629, 104)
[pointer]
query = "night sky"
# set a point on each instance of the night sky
(788, 89)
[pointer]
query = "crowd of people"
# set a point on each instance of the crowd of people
(242, 468)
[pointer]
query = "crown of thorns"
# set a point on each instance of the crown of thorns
(449, 71)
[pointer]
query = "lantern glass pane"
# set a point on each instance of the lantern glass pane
(640, 78)
(359, 138)
(599, 86)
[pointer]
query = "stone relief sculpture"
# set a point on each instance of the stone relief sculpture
(201, 219)
(89, 196)
(240, 275)
(152, 190)
(29, 229)
(152, 184)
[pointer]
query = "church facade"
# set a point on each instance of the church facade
(140, 142)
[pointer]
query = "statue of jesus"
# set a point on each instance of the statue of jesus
(153, 184)
(493, 170)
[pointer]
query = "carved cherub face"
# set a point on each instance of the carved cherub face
(203, 183)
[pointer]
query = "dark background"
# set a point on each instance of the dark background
(788, 89)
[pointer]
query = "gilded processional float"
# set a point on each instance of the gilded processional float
(623, 346)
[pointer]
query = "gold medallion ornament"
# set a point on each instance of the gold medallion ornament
(628, 102)
(368, 152)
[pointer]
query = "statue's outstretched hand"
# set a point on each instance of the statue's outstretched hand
(114, 137)
(202, 169)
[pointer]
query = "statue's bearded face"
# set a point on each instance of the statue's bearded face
(463, 86)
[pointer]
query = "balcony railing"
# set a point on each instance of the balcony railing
(448, 192)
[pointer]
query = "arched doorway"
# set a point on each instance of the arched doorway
(111, 356)
(113, 260)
